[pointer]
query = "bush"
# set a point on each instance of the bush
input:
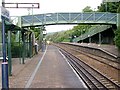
(117, 33)
(117, 37)
(16, 50)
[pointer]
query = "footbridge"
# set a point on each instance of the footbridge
(68, 18)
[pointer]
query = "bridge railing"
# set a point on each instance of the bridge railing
(70, 18)
(14, 20)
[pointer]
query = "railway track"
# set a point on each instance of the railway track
(92, 78)
(108, 68)
(105, 60)
(106, 55)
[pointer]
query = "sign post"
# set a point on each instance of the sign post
(5, 79)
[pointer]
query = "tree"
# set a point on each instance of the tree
(117, 33)
(118, 10)
(109, 7)
(87, 9)
(117, 37)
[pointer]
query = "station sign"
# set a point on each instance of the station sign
(4, 12)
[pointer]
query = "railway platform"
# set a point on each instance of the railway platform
(48, 69)
(112, 49)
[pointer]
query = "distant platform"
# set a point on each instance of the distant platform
(112, 49)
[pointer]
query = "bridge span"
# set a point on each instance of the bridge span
(68, 18)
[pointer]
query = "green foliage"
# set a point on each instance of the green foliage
(37, 32)
(102, 8)
(16, 49)
(113, 7)
(87, 9)
(117, 37)
(109, 7)
(118, 10)
(69, 35)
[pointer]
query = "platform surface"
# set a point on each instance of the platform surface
(54, 72)
(48, 69)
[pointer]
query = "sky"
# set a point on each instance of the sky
(53, 6)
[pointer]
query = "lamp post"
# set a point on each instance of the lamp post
(32, 15)
(28, 11)
(81, 35)
(105, 2)
(44, 40)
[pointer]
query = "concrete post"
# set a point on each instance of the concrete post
(100, 38)
(118, 20)
(23, 49)
(30, 44)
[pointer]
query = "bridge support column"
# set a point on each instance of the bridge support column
(23, 48)
(9, 54)
(100, 39)
(118, 20)
(30, 45)
(89, 39)
(118, 27)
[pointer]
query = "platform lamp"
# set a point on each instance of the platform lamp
(43, 37)
(32, 15)
(105, 2)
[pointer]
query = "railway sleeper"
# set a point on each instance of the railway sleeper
(109, 86)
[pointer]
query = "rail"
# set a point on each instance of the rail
(92, 78)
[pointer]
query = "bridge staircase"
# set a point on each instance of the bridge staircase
(92, 31)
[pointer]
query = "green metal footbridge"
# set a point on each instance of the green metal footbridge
(104, 18)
